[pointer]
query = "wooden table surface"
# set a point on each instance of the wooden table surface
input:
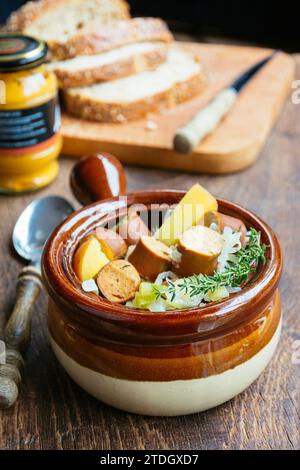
(54, 413)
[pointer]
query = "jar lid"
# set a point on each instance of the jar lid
(19, 52)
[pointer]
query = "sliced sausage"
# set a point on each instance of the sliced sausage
(132, 228)
(150, 257)
(200, 248)
(118, 281)
(112, 244)
(222, 221)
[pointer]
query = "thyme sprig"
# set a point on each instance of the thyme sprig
(235, 273)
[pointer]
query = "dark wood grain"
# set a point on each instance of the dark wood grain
(53, 413)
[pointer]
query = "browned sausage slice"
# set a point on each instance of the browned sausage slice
(118, 281)
(200, 248)
(222, 221)
(112, 244)
(150, 257)
(132, 228)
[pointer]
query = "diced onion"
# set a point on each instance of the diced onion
(129, 251)
(175, 254)
(162, 277)
(214, 227)
(90, 286)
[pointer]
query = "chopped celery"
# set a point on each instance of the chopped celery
(147, 294)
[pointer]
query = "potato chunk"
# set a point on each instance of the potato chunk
(118, 281)
(188, 212)
(89, 259)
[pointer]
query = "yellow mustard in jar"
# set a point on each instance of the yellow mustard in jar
(30, 141)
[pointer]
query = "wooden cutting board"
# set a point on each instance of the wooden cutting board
(234, 145)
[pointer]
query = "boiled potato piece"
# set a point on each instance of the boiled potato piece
(190, 211)
(89, 259)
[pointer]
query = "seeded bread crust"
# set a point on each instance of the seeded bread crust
(129, 66)
(98, 36)
(28, 13)
(93, 110)
(112, 35)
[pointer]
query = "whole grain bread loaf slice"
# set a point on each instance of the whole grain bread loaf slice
(111, 65)
(180, 78)
(56, 21)
(84, 27)
(100, 38)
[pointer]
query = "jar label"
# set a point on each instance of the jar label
(28, 127)
(11, 45)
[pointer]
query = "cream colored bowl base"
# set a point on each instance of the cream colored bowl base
(173, 398)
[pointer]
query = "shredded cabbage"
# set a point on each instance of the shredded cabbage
(218, 294)
(232, 244)
(164, 276)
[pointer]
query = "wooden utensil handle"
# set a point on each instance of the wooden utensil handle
(188, 137)
(17, 334)
(10, 378)
(18, 328)
(8, 392)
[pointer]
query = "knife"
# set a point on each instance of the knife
(205, 121)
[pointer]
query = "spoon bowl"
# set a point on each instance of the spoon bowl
(36, 223)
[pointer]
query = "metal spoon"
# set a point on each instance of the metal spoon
(30, 234)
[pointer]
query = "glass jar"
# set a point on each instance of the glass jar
(30, 141)
(160, 363)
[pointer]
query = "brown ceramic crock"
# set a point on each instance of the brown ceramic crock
(168, 363)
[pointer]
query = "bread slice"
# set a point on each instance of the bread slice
(101, 38)
(56, 21)
(173, 82)
(111, 65)
(84, 27)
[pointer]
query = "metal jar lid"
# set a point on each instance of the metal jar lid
(19, 52)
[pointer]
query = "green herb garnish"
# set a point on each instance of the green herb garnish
(235, 274)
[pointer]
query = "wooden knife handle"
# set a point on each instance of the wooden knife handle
(188, 137)
(17, 334)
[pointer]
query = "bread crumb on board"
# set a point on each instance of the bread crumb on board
(151, 125)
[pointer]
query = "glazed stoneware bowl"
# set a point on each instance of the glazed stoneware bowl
(162, 364)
